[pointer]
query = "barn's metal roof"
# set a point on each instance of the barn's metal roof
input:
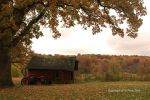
(53, 63)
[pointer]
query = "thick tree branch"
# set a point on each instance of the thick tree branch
(26, 30)
(20, 12)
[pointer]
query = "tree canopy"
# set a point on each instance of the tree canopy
(21, 19)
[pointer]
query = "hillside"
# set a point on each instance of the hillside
(114, 68)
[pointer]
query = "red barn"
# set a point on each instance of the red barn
(50, 69)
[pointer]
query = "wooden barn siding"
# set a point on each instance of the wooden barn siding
(56, 76)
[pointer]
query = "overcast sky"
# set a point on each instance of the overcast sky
(76, 40)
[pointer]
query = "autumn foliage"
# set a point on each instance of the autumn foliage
(113, 68)
(21, 20)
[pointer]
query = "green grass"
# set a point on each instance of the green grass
(84, 91)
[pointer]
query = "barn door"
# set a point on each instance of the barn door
(57, 77)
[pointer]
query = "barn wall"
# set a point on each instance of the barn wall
(55, 76)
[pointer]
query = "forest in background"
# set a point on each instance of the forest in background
(113, 68)
(94, 67)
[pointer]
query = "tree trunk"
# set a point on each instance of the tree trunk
(5, 68)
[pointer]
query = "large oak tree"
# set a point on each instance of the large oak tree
(20, 21)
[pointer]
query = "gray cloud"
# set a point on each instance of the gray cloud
(138, 46)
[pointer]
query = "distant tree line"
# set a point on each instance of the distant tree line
(113, 68)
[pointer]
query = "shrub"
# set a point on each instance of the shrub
(15, 72)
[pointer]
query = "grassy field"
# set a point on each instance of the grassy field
(84, 91)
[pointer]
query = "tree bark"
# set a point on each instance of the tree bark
(5, 68)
